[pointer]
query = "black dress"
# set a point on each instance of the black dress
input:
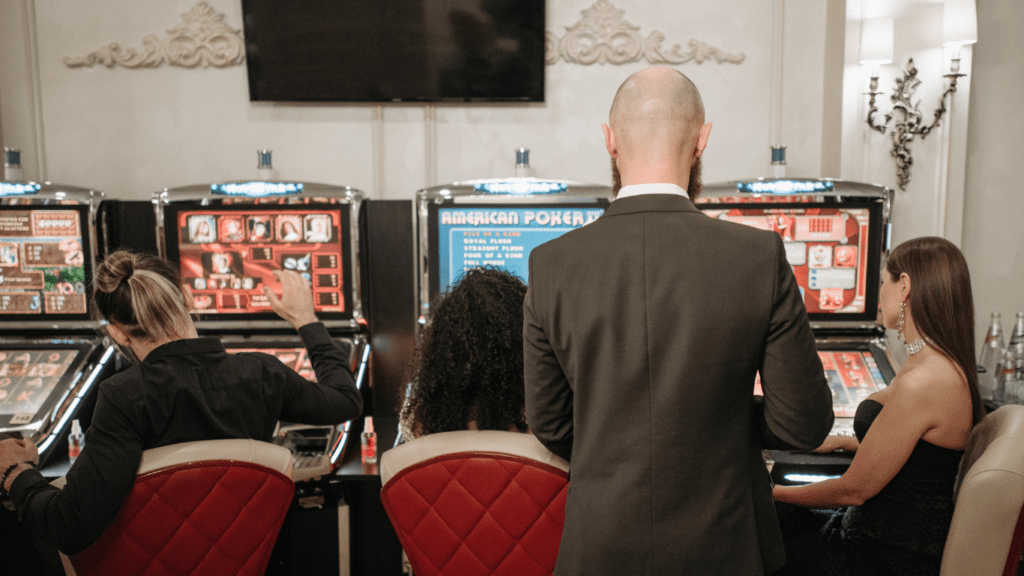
(901, 530)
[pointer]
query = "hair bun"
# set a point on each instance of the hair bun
(116, 268)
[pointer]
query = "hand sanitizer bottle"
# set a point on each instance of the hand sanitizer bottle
(75, 441)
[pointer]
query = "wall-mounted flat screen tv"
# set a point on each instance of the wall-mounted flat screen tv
(395, 51)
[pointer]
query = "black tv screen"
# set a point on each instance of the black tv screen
(398, 50)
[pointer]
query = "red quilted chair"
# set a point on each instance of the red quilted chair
(476, 502)
(199, 508)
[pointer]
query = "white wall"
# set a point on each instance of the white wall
(932, 204)
(130, 132)
(993, 234)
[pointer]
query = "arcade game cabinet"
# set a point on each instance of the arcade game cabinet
(228, 238)
(836, 235)
(51, 355)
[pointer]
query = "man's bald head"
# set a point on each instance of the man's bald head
(656, 107)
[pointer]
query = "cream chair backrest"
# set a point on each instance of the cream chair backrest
(272, 456)
(432, 445)
(988, 525)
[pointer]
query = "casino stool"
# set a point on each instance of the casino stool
(987, 533)
(476, 502)
(213, 507)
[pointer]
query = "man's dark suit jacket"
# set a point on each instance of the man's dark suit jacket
(643, 333)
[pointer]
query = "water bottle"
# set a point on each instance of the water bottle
(1005, 372)
(990, 355)
(1018, 330)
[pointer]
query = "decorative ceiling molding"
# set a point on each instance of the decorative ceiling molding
(604, 35)
(202, 39)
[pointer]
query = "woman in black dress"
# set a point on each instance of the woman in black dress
(895, 502)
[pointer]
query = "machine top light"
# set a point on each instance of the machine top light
(19, 189)
(521, 187)
(256, 189)
(785, 187)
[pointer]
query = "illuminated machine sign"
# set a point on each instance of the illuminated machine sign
(785, 187)
(521, 187)
(500, 236)
(18, 189)
(256, 189)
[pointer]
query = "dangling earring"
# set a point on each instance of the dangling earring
(902, 320)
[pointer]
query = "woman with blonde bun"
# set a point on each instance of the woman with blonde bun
(181, 388)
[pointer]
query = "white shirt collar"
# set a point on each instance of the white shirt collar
(638, 189)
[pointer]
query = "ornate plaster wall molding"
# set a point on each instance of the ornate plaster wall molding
(604, 35)
(202, 39)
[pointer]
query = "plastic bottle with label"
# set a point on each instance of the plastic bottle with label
(1018, 330)
(76, 440)
(368, 440)
(990, 356)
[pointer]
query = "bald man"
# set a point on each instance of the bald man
(643, 333)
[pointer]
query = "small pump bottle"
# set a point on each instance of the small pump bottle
(369, 442)
(75, 441)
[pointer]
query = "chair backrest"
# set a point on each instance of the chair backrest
(476, 502)
(987, 532)
(210, 508)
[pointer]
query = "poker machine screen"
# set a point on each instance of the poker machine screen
(295, 358)
(228, 253)
(835, 252)
(500, 236)
(852, 376)
(33, 378)
(45, 267)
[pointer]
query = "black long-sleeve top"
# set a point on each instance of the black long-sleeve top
(184, 391)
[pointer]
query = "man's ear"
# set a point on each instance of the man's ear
(609, 141)
(702, 140)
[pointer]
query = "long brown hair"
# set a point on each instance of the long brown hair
(142, 294)
(942, 302)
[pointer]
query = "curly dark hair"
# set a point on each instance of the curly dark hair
(470, 364)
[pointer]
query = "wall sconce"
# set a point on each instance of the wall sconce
(960, 26)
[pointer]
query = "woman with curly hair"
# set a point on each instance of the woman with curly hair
(468, 372)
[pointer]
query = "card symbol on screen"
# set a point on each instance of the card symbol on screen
(819, 256)
(297, 263)
(846, 256)
(831, 298)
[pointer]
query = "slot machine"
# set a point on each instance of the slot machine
(51, 354)
(494, 223)
(228, 238)
(836, 235)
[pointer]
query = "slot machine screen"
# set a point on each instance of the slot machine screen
(295, 358)
(32, 376)
(835, 253)
(467, 236)
(227, 254)
(852, 376)
(45, 268)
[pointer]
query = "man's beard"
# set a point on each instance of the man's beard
(693, 187)
(616, 179)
